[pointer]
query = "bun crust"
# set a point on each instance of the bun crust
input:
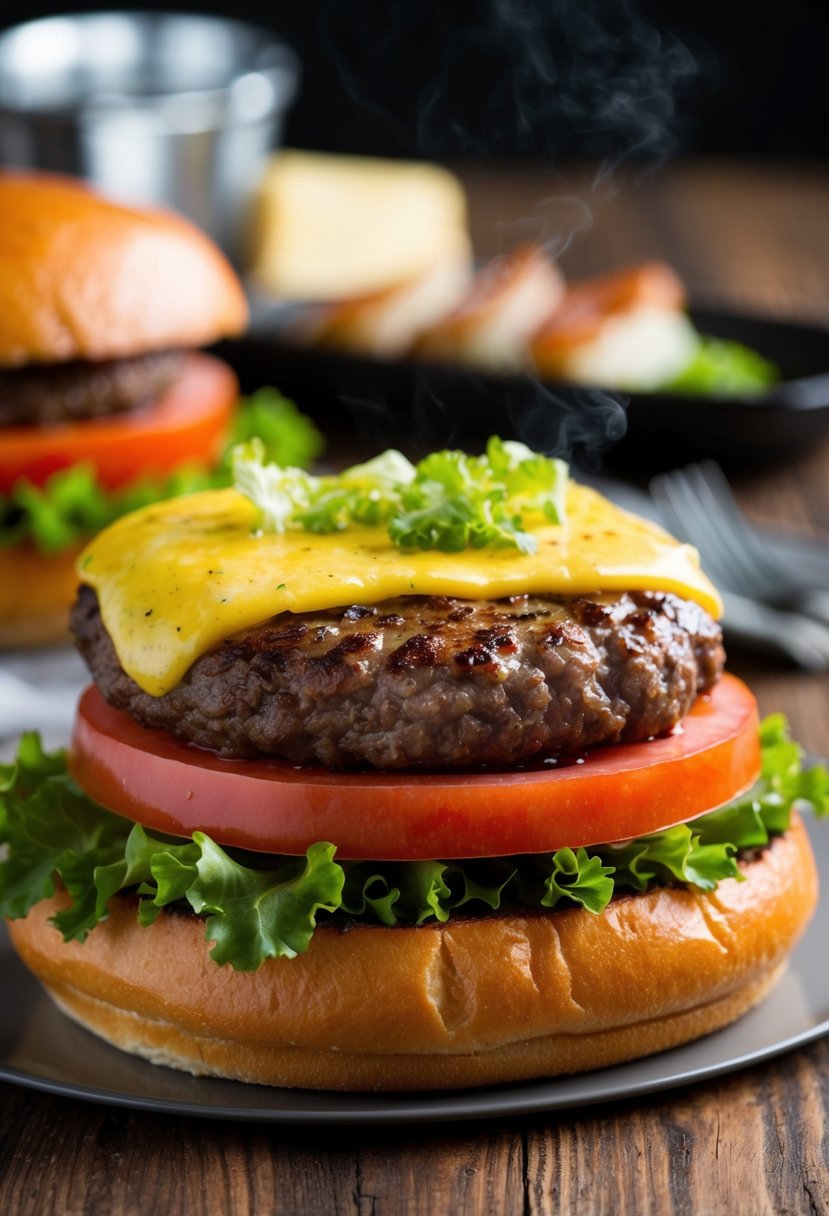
(474, 1002)
(36, 592)
(85, 278)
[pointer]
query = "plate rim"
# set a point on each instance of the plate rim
(599, 1087)
(477, 1105)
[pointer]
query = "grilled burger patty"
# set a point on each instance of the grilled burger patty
(431, 681)
(45, 394)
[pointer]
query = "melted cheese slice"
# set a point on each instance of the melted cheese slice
(175, 579)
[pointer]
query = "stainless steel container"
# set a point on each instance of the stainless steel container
(152, 107)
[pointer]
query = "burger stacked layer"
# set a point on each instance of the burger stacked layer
(413, 777)
(105, 405)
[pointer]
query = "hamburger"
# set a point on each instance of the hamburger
(104, 402)
(411, 777)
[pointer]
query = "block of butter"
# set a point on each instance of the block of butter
(331, 227)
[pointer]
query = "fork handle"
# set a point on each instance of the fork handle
(813, 603)
(777, 632)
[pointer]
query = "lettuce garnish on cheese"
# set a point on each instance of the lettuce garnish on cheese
(449, 501)
(179, 577)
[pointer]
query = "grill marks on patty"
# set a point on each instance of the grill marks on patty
(46, 394)
(432, 682)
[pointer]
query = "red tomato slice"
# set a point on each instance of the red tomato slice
(190, 422)
(269, 806)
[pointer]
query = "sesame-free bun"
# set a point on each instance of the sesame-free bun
(85, 278)
(36, 590)
(473, 1002)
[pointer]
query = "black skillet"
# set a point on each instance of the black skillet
(369, 403)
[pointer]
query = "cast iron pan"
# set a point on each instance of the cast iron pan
(371, 403)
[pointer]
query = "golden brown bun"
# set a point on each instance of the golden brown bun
(84, 278)
(36, 593)
(476, 1002)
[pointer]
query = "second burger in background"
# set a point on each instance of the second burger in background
(104, 403)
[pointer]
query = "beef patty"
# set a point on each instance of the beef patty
(67, 392)
(431, 681)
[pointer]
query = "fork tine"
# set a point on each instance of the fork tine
(709, 474)
(700, 505)
(734, 537)
(688, 520)
(706, 513)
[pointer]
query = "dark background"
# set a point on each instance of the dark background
(558, 79)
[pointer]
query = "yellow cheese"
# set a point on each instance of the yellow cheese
(333, 227)
(178, 577)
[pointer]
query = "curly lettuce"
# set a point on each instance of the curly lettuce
(449, 501)
(725, 369)
(260, 906)
(72, 505)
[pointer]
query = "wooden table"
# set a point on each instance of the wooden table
(755, 1142)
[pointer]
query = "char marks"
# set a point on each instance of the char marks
(432, 682)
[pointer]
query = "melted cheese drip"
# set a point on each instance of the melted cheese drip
(175, 579)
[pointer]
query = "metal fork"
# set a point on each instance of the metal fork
(698, 504)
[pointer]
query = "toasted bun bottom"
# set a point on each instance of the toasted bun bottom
(474, 1002)
(36, 593)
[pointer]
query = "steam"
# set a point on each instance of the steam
(578, 425)
(555, 222)
(550, 79)
(458, 409)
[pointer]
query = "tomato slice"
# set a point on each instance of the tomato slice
(269, 806)
(189, 422)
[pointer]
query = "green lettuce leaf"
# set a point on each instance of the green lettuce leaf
(724, 368)
(51, 828)
(575, 876)
(413, 892)
(258, 906)
(257, 914)
(72, 506)
(449, 501)
(676, 854)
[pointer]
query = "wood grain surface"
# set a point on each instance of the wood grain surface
(751, 236)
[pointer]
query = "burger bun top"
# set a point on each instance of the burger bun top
(85, 278)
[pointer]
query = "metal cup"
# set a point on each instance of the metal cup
(151, 107)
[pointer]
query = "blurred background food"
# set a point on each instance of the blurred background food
(628, 329)
(508, 301)
(386, 289)
(104, 404)
(337, 227)
(184, 108)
